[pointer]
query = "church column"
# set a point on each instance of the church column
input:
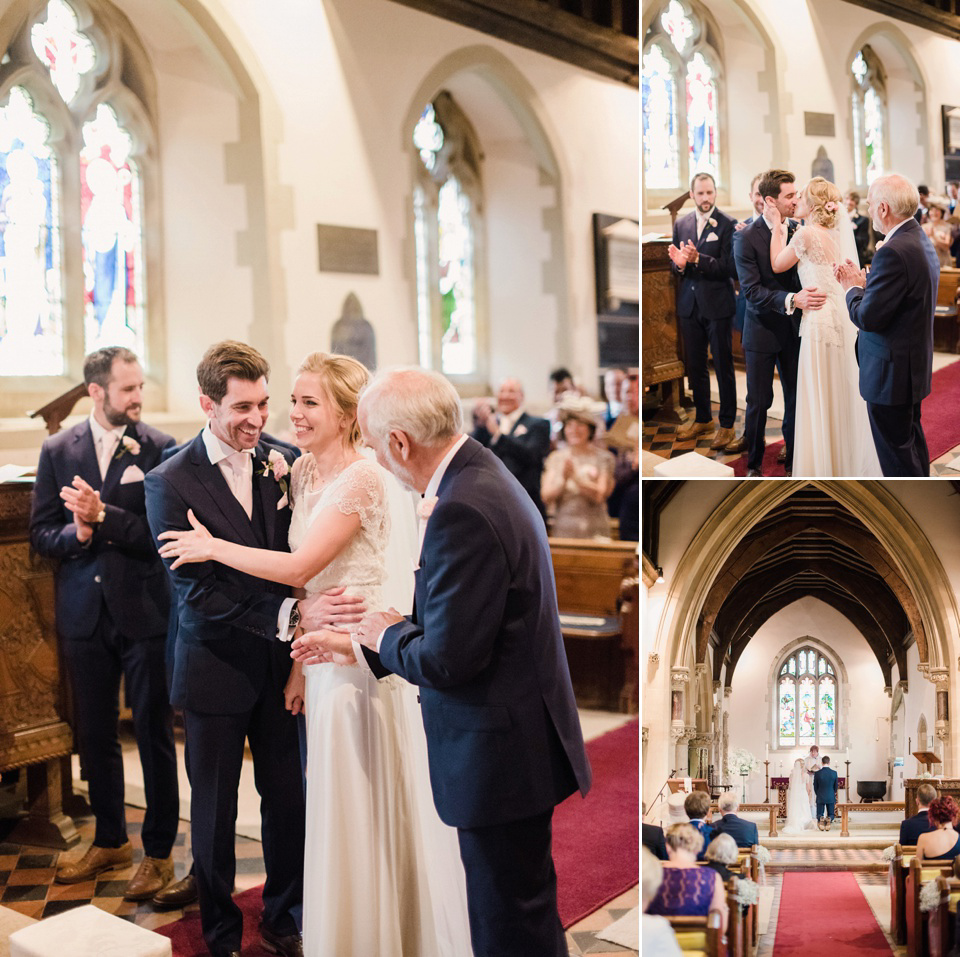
(715, 727)
(940, 677)
(725, 739)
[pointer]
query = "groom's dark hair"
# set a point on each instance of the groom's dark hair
(825, 760)
(772, 180)
(229, 360)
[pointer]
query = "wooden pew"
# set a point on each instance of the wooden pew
(917, 876)
(946, 316)
(700, 935)
(738, 939)
(897, 872)
(748, 866)
(845, 808)
(589, 576)
(942, 921)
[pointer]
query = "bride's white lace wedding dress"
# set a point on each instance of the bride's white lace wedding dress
(799, 817)
(832, 436)
(382, 873)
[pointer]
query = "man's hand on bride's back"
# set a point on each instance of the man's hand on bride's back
(809, 298)
(334, 609)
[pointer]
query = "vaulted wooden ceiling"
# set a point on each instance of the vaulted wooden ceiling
(940, 16)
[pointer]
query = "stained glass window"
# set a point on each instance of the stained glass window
(31, 301)
(869, 116)
(110, 205)
(807, 699)
(680, 87)
(445, 211)
(60, 46)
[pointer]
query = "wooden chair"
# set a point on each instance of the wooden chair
(946, 316)
(917, 876)
(897, 872)
(701, 935)
(942, 921)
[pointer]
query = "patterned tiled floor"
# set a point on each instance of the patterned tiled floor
(26, 879)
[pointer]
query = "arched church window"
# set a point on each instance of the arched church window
(869, 116)
(806, 700)
(74, 135)
(681, 90)
(448, 206)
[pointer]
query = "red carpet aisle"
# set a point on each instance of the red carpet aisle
(186, 937)
(826, 911)
(771, 467)
(941, 423)
(596, 840)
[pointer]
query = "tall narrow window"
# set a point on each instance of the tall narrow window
(806, 700)
(681, 79)
(72, 257)
(447, 206)
(869, 106)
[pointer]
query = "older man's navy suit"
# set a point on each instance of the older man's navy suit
(112, 601)
(503, 737)
(894, 314)
(771, 338)
(229, 674)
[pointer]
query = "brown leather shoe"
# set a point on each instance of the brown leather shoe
(782, 455)
(693, 429)
(737, 445)
(722, 439)
(153, 875)
(286, 945)
(95, 861)
(179, 894)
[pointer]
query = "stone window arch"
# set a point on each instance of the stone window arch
(870, 120)
(807, 692)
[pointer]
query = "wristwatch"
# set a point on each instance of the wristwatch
(791, 299)
(294, 618)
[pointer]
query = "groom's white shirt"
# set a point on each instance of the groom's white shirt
(788, 306)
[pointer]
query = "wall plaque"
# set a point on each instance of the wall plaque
(347, 249)
(819, 124)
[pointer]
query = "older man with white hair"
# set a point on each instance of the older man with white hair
(893, 309)
(485, 649)
(742, 831)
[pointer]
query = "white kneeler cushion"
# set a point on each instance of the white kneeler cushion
(87, 931)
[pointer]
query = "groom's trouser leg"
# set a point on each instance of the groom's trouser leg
(820, 806)
(216, 757)
(512, 889)
(787, 362)
(899, 439)
(695, 338)
(760, 366)
(721, 348)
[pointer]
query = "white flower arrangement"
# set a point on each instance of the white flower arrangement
(763, 855)
(742, 761)
(888, 853)
(748, 891)
(929, 896)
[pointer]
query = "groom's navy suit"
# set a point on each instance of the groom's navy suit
(770, 339)
(228, 678)
(112, 601)
(825, 791)
(503, 737)
(895, 346)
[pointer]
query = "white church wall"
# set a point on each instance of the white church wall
(752, 706)
(920, 700)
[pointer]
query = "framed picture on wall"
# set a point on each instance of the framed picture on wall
(951, 130)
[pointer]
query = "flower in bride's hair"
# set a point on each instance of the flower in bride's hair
(426, 507)
(830, 207)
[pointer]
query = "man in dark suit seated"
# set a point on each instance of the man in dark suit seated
(653, 838)
(697, 806)
(743, 832)
(913, 827)
(519, 440)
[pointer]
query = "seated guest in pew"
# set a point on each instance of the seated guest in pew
(658, 937)
(697, 808)
(943, 842)
(913, 827)
(687, 890)
(653, 838)
(720, 854)
(743, 832)
(676, 811)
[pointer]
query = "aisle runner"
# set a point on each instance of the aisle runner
(826, 911)
(938, 413)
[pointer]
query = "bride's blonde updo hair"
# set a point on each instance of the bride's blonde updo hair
(343, 378)
(825, 201)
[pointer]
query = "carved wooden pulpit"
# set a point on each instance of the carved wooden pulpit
(34, 736)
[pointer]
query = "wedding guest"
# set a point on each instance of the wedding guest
(742, 831)
(861, 226)
(920, 823)
(613, 380)
(687, 889)
(652, 836)
(656, 933)
(112, 602)
(578, 478)
(942, 843)
(922, 204)
(939, 231)
(720, 854)
(697, 808)
(676, 812)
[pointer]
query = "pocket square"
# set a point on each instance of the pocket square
(132, 473)
(711, 237)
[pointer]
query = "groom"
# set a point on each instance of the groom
(485, 649)
(772, 320)
(894, 313)
(229, 672)
(825, 789)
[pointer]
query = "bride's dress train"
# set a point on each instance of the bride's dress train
(799, 818)
(382, 873)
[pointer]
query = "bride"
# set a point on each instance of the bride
(799, 817)
(382, 874)
(832, 435)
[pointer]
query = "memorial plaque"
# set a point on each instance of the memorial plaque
(347, 249)
(819, 124)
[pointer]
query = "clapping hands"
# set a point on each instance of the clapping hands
(683, 254)
(849, 276)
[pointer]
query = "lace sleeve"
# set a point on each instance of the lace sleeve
(798, 242)
(362, 492)
(299, 476)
